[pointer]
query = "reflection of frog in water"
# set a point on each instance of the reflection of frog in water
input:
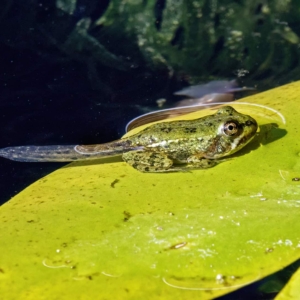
(162, 147)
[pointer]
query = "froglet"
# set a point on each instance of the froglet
(162, 147)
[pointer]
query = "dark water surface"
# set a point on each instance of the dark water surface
(54, 104)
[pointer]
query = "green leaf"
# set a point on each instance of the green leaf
(98, 230)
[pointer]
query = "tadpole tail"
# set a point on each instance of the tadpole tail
(61, 153)
(42, 153)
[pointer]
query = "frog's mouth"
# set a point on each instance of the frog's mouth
(240, 142)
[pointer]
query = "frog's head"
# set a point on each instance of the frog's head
(234, 131)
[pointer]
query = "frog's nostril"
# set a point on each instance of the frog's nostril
(249, 123)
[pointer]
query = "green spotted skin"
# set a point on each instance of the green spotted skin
(192, 144)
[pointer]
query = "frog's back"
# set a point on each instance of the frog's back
(177, 130)
(226, 126)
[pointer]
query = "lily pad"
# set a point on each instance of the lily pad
(97, 230)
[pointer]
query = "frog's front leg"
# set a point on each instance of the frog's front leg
(148, 161)
(199, 162)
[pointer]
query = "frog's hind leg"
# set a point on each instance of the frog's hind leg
(148, 161)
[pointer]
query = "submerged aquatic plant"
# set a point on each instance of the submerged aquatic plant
(192, 40)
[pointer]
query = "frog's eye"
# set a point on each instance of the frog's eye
(230, 128)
